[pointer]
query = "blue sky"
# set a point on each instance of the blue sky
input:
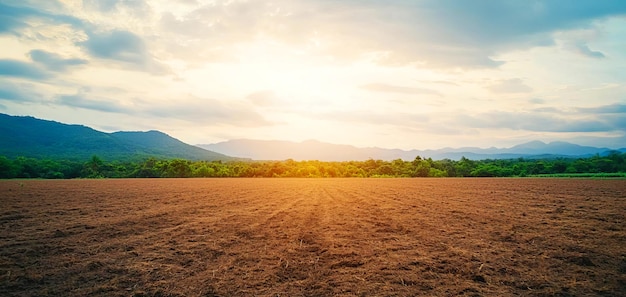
(397, 74)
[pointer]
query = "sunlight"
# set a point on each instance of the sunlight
(296, 76)
(286, 70)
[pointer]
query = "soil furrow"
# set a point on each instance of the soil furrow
(313, 237)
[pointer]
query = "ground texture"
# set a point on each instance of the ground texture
(313, 237)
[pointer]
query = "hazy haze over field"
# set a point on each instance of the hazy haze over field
(399, 74)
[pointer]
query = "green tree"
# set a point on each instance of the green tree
(178, 168)
(147, 169)
(465, 167)
(448, 166)
(421, 167)
(434, 172)
(7, 168)
(93, 168)
(203, 170)
(558, 166)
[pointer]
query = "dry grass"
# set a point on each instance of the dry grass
(313, 237)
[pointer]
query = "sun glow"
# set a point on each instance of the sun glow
(289, 71)
(292, 74)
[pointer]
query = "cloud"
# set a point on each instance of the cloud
(18, 93)
(186, 26)
(82, 100)
(10, 18)
(612, 108)
(536, 101)
(225, 23)
(537, 122)
(117, 45)
(514, 85)
(112, 44)
(501, 22)
(102, 5)
(547, 109)
(442, 82)
(585, 51)
(50, 61)
(140, 8)
(605, 118)
(208, 111)
(615, 142)
(188, 2)
(19, 15)
(436, 33)
(385, 88)
(374, 118)
(190, 109)
(214, 31)
(53, 61)
(263, 98)
(122, 46)
(21, 69)
(429, 33)
(618, 121)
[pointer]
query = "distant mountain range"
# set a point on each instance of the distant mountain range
(31, 137)
(315, 150)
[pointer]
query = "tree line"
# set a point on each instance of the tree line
(22, 167)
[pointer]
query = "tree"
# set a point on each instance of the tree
(448, 166)
(559, 166)
(421, 167)
(147, 169)
(385, 170)
(465, 167)
(7, 168)
(203, 170)
(93, 167)
(178, 168)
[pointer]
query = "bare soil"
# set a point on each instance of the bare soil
(313, 237)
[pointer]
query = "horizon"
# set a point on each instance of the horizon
(331, 143)
(420, 75)
(323, 142)
(410, 149)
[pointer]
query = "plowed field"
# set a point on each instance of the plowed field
(313, 237)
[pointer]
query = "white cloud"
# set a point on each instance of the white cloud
(513, 85)
(263, 98)
(584, 50)
(125, 47)
(54, 61)
(16, 68)
(386, 88)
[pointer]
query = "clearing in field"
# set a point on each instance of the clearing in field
(313, 237)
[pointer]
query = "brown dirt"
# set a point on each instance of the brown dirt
(313, 237)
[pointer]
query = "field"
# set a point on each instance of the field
(313, 237)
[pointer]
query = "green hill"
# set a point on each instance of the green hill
(32, 137)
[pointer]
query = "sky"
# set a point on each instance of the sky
(409, 74)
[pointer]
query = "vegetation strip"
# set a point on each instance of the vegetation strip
(611, 166)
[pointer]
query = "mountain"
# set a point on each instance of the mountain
(31, 137)
(280, 150)
(315, 150)
(556, 148)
